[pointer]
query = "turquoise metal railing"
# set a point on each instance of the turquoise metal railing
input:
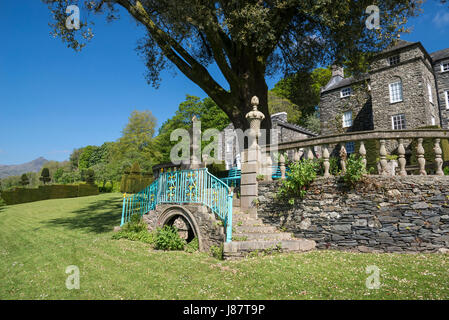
(182, 187)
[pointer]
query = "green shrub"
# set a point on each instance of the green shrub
(142, 236)
(301, 175)
(193, 246)
(45, 175)
(2, 202)
(446, 171)
(217, 169)
(355, 169)
(167, 238)
(217, 252)
(135, 224)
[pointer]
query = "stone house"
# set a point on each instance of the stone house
(232, 146)
(405, 88)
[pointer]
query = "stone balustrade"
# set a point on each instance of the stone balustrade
(305, 148)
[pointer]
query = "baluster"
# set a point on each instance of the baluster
(282, 165)
(383, 158)
(401, 160)
(297, 155)
(309, 153)
(420, 155)
(438, 159)
(343, 156)
(326, 163)
(362, 152)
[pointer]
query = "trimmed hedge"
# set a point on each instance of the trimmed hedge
(55, 191)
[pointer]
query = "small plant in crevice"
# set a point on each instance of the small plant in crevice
(167, 238)
(355, 170)
(192, 246)
(301, 175)
(217, 252)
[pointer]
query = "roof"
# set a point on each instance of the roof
(399, 45)
(440, 55)
(344, 82)
(295, 127)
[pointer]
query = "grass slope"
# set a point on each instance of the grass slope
(39, 240)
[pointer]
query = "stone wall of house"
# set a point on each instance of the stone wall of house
(414, 76)
(385, 214)
(332, 107)
(442, 80)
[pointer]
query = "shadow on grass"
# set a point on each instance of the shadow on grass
(99, 217)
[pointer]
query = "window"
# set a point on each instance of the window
(347, 119)
(395, 92)
(394, 60)
(433, 120)
(346, 92)
(429, 91)
(446, 94)
(350, 147)
(398, 122)
(444, 67)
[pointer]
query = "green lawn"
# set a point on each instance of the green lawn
(39, 240)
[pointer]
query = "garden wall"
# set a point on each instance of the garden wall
(55, 191)
(386, 214)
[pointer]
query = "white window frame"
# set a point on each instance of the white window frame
(429, 91)
(444, 67)
(396, 59)
(345, 92)
(347, 122)
(401, 97)
(446, 93)
(393, 120)
(432, 120)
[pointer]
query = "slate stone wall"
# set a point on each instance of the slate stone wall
(384, 214)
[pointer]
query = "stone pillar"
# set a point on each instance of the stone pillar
(401, 160)
(420, 156)
(438, 158)
(383, 158)
(343, 156)
(326, 163)
(251, 165)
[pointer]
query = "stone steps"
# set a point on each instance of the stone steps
(251, 234)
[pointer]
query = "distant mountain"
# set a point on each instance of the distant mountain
(18, 169)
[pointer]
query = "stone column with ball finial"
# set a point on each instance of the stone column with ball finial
(251, 164)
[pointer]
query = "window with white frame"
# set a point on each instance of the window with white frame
(346, 92)
(429, 91)
(347, 119)
(398, 122)
(445, 67)
(395, 91)
(394, 60)
(446, 94)
(350, 147)
(432, 120)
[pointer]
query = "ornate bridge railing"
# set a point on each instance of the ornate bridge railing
(196, 186)
(305, 148)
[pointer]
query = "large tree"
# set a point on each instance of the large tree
(247, 39)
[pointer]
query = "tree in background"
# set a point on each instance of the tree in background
(45, 176)
(247, 39)
(303, 90)
(24, 180)
(206, 110)
(90, 176)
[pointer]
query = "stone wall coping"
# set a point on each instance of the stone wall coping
(359, 136)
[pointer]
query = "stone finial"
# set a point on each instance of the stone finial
(255, 114)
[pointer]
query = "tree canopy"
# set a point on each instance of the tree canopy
(247, 39)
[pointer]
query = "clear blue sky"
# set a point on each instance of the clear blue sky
(53, 99)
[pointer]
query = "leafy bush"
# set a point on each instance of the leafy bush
(355, 169)
(446, 171)
(2, 202)
(142, 236)
(167, 238)
(193, 246)
(135, 224)
(301, 175)
(217, 252)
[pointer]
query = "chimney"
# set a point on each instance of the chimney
(338, 71)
